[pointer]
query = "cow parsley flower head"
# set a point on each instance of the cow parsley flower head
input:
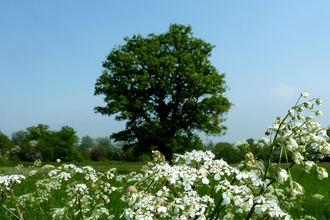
(37, 163)
(8, 181)
(64, 176)
(158, 156)
(59, 213)
(318, 196)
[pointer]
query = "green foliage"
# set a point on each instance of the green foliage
(46, 145)
(99, 153)
(86, 145)
(103, 142)
(64, 142)
(102, 149)
(165, 87)
(37, 144)
(188, 142)
(97, 149)
(18, 137)
(5, 146)
(228, 152)
(115, 153)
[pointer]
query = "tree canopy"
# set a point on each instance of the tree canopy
(165, 88)
(5, 144)
(42, 143)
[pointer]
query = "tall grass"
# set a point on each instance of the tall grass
(310, 203)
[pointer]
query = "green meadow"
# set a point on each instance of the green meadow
(312, 204)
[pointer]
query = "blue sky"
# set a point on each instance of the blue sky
(51, 54)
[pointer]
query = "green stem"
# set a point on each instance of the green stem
(261, 192)
(8, 210)
(20, 204)
(137, 183)
(301, 175)
(272, 147)
(217, 207)
(175, 192)
(81, 213)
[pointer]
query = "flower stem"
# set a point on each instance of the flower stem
(8, 210)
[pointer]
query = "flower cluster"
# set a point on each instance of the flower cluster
(179, 191)
(88, 191)
(8, 182)
(300, 136)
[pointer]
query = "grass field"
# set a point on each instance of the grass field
(98, 166)
(311, 205)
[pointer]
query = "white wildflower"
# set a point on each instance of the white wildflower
(32, 172)
(295, 188)
(321, 173)
(291, 144)
(282, 175)
(58, 213)
(64, 175)
(308, 165)
(297, 157)
(318, 196)
(162, 209)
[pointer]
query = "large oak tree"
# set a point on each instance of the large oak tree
(165, 88)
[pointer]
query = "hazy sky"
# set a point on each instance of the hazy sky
(51, 54)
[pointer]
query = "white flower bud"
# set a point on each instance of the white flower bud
(318, 101)
(321, 173)
(300, 117)
(297, 157)
(291, 113)
(282, 175)
(300, 109)
(308, 105)
(131, 190)
(305, 94)
(318, 113)
(295, 188)
(291, 144)
(308, 165)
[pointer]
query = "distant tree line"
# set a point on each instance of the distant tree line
(39, 142)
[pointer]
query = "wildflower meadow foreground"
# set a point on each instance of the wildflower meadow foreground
(193, 186)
